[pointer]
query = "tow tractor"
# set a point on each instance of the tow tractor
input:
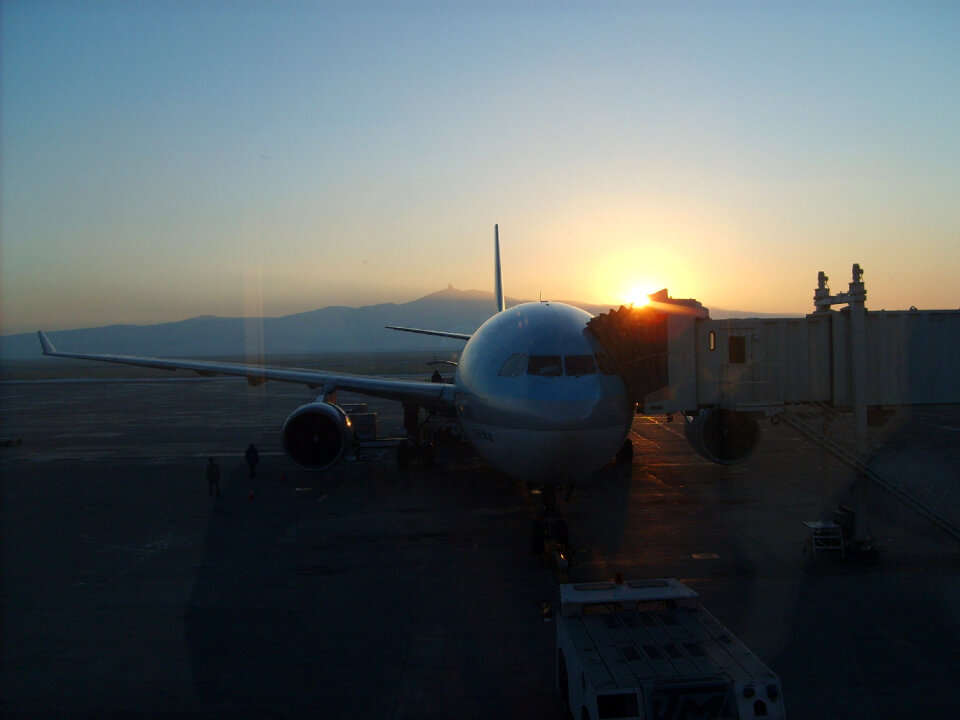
(647, 649)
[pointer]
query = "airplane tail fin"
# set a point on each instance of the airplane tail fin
(45, 344)
(497, 277)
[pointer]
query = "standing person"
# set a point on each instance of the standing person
(253, 457)
(213, 478)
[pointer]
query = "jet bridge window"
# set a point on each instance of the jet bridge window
(515, 365)
(545, 365)
(580, 365)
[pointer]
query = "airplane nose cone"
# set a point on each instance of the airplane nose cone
(575, 404)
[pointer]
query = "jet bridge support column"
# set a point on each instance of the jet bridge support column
(858, 355)
(855, 299)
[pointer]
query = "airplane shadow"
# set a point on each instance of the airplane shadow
(322, 582)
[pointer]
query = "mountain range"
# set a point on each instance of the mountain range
(327, 330)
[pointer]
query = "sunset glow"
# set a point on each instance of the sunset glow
(194, 159)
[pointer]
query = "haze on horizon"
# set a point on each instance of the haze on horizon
(168, 160)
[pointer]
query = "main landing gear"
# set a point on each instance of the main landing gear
(419, 443)
(408, 451)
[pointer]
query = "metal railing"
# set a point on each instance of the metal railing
(822, 424)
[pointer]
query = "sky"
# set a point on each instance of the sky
(162, 160)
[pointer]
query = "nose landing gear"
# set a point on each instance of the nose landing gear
(550, 537)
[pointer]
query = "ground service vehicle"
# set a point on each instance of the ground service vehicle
(648, 649)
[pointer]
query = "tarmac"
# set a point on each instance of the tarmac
(367, 592)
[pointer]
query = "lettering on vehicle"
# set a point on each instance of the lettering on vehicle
(482, 435)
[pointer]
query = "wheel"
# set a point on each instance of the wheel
(625, 453)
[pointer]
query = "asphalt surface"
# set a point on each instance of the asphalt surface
(365, 592)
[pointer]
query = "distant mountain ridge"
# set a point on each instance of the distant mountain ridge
(331, 329)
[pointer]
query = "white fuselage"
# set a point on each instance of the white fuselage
(535, 397)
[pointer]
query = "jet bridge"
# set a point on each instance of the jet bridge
(674, 358)
(722, 375)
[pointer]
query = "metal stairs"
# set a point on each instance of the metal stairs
(822, 424)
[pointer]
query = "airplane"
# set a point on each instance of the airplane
(533, 392)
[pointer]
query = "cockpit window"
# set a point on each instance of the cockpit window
(579, 365)
(606, 367)
(545, 365)
(515, 365)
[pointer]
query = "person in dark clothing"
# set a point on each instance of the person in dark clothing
(213, 478)
(253, 457)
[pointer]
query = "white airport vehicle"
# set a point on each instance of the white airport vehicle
(648, 649)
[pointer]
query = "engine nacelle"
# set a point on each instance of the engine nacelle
(723, 436)
(317, 435)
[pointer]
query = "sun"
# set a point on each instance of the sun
(636, 296)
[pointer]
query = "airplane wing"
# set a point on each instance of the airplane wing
(438, 333)
(425, 394)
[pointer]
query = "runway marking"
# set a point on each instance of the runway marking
(660, 424)
(155, 544)
(705, 556)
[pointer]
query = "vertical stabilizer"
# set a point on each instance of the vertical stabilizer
(497, 277)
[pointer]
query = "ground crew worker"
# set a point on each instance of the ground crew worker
(213, 478)
(253, 457)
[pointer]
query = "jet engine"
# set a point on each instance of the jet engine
(723, 436)
(317, 435)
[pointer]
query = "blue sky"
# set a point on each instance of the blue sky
(165, 160)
